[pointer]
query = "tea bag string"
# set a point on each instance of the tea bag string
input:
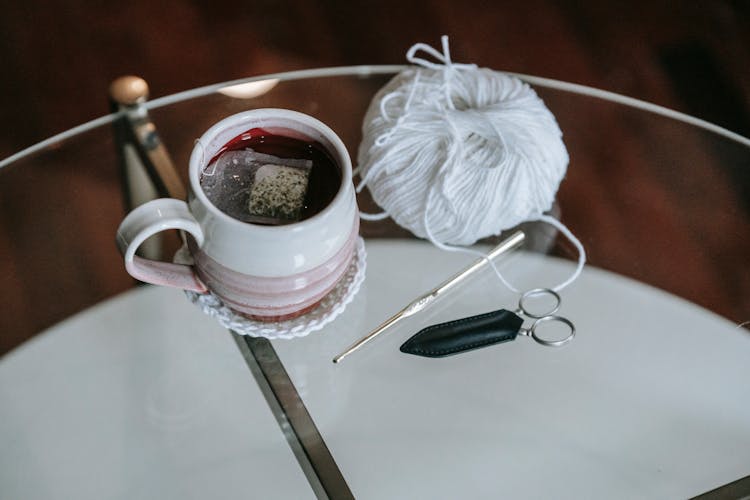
(204, 168)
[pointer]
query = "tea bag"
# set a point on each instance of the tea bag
(278, 191)
(257, 187)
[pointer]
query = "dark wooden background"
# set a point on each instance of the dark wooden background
(59, 57)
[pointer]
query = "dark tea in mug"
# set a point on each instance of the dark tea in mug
(271, 177)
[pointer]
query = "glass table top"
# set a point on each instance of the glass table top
(134, 387)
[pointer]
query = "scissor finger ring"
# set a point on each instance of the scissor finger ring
(552, 342)
(535, 293)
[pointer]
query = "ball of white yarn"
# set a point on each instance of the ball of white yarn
(456, 153)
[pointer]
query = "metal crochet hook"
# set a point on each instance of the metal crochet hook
(511, 243)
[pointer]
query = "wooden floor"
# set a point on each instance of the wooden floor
(58, 59)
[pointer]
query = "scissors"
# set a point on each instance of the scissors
(491, 328)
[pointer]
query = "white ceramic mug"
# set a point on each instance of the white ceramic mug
(263, 272)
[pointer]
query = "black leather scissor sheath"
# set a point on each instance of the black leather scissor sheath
(464, 334)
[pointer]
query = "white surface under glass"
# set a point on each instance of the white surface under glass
(139, 397)
(648, 402)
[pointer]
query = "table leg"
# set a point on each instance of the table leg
(294, 420)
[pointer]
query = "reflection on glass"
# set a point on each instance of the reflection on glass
(250, 89)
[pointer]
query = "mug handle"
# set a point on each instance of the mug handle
(151, 218)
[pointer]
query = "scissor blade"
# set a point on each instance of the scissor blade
(465, 334)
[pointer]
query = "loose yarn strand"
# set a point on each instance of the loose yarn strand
(576, 243)
(373, 217)
(543, 218)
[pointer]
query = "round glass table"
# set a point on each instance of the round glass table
(129, 391)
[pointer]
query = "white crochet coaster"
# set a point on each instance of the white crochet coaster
(329, 308)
